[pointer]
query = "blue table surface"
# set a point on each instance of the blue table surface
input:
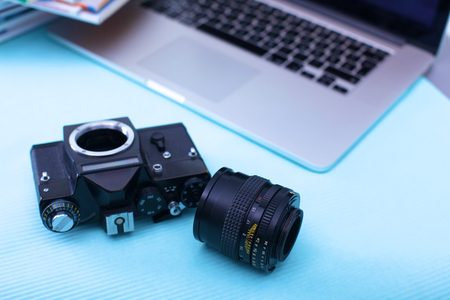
(377, 226)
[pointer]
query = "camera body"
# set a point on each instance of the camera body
(110, 170)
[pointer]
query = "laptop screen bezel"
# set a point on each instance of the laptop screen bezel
(427, 38)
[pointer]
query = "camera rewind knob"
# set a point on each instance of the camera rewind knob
(61, 216)
(158, 140)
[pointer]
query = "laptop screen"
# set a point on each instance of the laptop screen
(420, 22)
(421, 11)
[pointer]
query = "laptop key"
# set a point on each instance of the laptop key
(267, 10)
(316, 63)
(227, 27)
(281, 18)
(253, 5)
(381, 53)
(373, 56)
(273, 35)
(324, 34)
(322, 45)
(354, 47)
(340, 89)
(301, 57)
(244, 23)
(200, 16)
(333, 59)
(277, 27)
(263, 22)
(241, 32)
(293, 66)
(339, 41)
(310, 29)
(369, 65)
(307, 75)
(353, 57)
(233, 40)
(364, 71)
(317, 53)
(256, 38)
(270, 44)
(302, 47)
(292, 33)
(307, 39)
(326, 80)
(348, 66)
(214, 21)
(249, 16)
(236, 11)
(285, 50)
(343, 75)
(337, 51)
(296, 22)
(287, 41)
(259, 29)
(277, 59)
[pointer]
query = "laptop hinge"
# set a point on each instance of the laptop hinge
(350, 21)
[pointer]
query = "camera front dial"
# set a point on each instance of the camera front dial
(192, 191)
(150, 201)
(61, 216)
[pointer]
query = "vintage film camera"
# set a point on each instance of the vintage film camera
(111, 170)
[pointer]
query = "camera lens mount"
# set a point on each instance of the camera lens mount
(101, 138)
(248, 218)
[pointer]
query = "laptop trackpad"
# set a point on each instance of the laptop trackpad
(199, 69)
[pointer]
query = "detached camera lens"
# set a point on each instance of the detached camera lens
(248, 218)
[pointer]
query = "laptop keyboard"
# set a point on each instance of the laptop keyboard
(334, 60)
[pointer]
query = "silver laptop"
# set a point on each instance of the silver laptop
(306, 79)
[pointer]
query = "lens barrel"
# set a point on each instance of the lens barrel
(248, 218)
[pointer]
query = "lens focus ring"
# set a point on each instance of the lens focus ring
(236, 214)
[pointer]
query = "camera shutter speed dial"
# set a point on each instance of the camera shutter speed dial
(61, 216)
(150, 201)
(192, 191)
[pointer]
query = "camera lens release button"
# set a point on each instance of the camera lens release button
(62, 222)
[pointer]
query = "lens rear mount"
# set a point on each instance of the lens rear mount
(248, 218)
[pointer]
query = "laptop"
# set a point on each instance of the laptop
(306, 79)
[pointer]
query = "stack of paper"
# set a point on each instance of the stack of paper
(19, 16)
(90, 11)
(16, 19)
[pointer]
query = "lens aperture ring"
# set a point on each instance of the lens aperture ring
(236, 214)
(261, 246)
(252, 223)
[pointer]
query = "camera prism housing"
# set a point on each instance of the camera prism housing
(112, 171)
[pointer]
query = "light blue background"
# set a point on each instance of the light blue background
(376, 227)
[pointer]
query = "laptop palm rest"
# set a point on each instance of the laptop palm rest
(199, 69)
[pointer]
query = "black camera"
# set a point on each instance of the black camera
(110, 170)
